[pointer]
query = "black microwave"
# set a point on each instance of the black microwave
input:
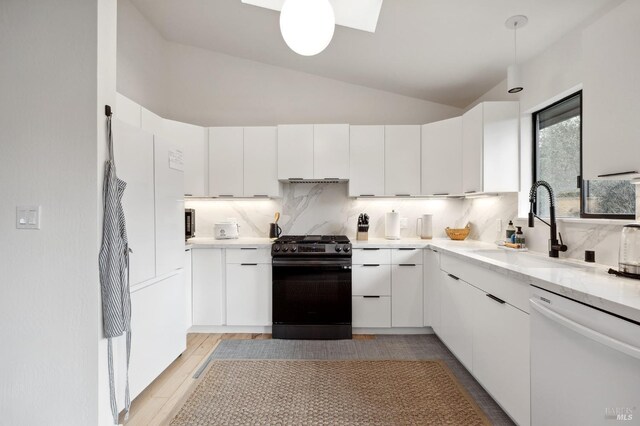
(189, 223)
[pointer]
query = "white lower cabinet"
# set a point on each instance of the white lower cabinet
(484, 323)
(431, 292)
(371, 311)
(208, 287)
(456, 324)
(371, 279)
(188, 289)
(406, 295)
(158, 330)
(501, 354)
(249, 294)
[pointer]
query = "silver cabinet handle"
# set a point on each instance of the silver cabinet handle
(633, 172)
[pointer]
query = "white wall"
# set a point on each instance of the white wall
(550, 76)
(141, 60)
(213, 89)
(50, 303)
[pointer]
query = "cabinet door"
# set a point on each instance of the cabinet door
(195, 154)
(261, 162)
(226, 154)
(500, 147)
(331, 151)
(501, 354)
(159, 333)
(371, 311)
(366, 160)
(151, 123)
(371, 280)
(295, 151)
(128, 111)
(406, 295)
(133, 149)
(188, 291)
(432, 284)
(611, 135)
(456, 326)
(248, 294)
(442, 157)
(472, 134)
(402, 160)
(169, 207)
(208, 287)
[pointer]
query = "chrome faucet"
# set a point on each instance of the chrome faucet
(555, 247)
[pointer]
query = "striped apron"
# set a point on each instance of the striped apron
(114, 272)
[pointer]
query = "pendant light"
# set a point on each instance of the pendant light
(307, 25)
(514, 75)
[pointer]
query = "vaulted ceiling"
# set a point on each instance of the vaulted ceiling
(447, 51)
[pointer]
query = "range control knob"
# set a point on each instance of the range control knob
(338, 249)
(346, 249)
(285, 249)
(294, 249)
(276, 248)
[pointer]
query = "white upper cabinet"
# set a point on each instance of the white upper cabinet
(226, 157)
(441, 157)
(331, 151)
(133, 148)
(127, 111)
(490, 148)
(261, 162)
(194, 140)
(472, 130)
(152, 123)
(611, 135)
(295, 151)
(169, 203)
(402, 160)
(366, 161)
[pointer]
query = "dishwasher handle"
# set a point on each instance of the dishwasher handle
(585, 331)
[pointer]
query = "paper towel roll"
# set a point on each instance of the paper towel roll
(392, 225)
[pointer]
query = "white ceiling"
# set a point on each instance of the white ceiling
(447, 51)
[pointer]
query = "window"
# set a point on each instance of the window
(558, 160)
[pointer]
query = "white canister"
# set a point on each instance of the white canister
(424, 226)
(392, 225)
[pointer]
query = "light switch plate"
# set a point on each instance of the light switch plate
(499, 225)
(28, 217)
(404, 223)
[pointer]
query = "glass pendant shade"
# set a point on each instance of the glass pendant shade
(307, 26)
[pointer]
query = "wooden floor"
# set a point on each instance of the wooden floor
(154, 405)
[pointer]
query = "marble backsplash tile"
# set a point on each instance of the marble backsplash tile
(327, 209)
(321, 209)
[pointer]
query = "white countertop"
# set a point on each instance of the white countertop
(589, 284)
(198, 243)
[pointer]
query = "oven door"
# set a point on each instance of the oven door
(311, 291)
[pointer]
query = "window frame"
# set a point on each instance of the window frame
(580, 182)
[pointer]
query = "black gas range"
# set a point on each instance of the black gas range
(311, 287)
(312, 245)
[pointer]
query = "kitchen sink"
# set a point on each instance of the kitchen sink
(524, 259)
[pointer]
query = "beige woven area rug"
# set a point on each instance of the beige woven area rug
(354, 392)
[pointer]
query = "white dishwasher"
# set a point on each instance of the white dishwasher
(585, 364)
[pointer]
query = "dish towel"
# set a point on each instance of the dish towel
(114, 272)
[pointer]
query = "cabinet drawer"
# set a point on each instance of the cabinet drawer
(371, 255)
(371, 280)
(512, 291)
(248, 255)
(371, 311)
(406, 256)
